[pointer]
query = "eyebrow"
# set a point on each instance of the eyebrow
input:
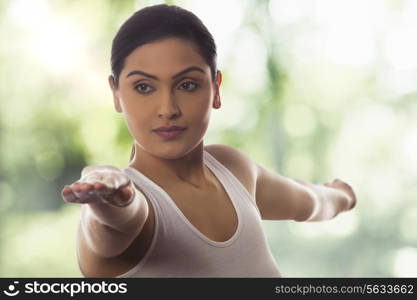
(189, 69)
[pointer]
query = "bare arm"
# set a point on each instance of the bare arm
(330, 199)
(281, 198)
(113, 213)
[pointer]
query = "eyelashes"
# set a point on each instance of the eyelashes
(145, 89)
(189, 86)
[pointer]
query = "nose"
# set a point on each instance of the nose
(168, 107)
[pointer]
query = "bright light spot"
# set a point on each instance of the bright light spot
(384, 198)
(401, 46)
(368, 144)
(306, 48)
(350, 27)
(362, 142)
(29, 14)
(299, 120)
(350, 45)
(400, 43)
(56, 42)
(360, 14)
(231, 113)
(249, 62)
(410, 147)
(400, 82)
(289, 11)
(405, 262)
(222, 19)
(60, 46)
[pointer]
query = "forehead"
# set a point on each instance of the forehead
(165, 56)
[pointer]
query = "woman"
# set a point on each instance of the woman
(182, 209)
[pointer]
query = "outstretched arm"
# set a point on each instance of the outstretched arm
(113, 213)
(281, 198)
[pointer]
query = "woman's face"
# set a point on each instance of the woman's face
(166, 83)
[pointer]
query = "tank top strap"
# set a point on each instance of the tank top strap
(224, 174)
(140, 180)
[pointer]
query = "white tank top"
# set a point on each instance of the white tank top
(178, 249)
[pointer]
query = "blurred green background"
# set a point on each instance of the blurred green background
(318, 89)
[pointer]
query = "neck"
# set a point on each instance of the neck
(188, 169)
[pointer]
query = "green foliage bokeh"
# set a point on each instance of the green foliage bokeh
(302, 106)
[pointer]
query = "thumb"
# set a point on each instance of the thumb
(123, 196)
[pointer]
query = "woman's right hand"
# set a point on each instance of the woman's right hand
(100, 184)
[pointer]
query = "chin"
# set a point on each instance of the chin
(174, 149)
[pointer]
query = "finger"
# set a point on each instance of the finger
(87, 188)
(85, 192)
(354, 200)
(349, 187)
(353, 203)
(121, 197)
(68, 195)
(103, 190)
(126, 191)
(76, 188)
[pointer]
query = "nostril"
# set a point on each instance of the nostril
(170, 115)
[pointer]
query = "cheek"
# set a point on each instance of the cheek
(137, 118)
(199, 114)
(200, 107)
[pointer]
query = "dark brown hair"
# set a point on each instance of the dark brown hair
(157, 22)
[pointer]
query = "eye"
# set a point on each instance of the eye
(143, 88)
(188, 86)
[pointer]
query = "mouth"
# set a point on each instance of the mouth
(169, 132)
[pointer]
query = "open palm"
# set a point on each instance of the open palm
(100, 184)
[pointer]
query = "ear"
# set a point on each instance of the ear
(116, 98)
(217, 101)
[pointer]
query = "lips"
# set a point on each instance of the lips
(169, 132)
(169, 128)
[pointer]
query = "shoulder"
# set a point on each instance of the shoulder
(237, 162)
(230, 156)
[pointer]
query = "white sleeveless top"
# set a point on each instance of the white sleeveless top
(178, 249)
